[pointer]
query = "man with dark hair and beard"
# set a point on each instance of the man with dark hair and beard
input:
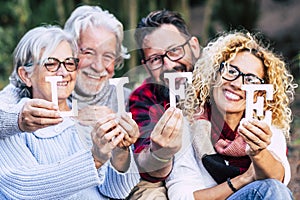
(165, 46)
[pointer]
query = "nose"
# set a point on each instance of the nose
(62, 71)
(238, 82)
(98, 65)
(168, 64)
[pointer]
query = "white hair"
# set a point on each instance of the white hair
(93, 16)
(35, 46)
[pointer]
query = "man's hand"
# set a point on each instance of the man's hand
(121, 154)
(106, 135)
(166, 137)
(89, 115)
(37, 114)
(130, 130)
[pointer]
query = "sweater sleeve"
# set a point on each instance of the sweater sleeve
(21, 177)
(118, 185)
(278, 147)
(188, 174)
(9, 110)
(146, 108)
(8, 123)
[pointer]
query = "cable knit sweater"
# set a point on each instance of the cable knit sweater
(9, 110)
(50, 163)
(110, 182)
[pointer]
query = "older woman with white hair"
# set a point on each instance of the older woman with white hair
(50, 162)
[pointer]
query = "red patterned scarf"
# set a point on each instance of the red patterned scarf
(226, 141)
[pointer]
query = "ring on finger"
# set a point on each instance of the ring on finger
(258, 141)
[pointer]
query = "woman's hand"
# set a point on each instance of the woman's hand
(257, 135)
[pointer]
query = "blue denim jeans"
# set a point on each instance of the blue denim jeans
(263, 189)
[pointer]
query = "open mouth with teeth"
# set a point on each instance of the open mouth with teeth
(232, 96)
(62, 83)
(95, 76)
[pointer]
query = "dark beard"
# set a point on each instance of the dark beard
(163, 90)
(181, 68)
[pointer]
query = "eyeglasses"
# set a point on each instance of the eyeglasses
(53, 64)
(155, 62)
(230, 73)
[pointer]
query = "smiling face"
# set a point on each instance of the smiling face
(42, 89)
(230, 99)
(166, 38)
(97, 59)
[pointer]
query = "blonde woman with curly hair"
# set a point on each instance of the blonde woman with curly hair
(231, 157)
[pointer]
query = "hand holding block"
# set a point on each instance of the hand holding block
(172, 89)
(259, 105)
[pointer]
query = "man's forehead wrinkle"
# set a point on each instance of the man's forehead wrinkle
(164, 38)
(90, 40)
(163, 46)
(99, 48)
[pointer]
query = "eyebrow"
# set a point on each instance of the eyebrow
(175, 45)
(243, 72)
(94, 50)
(172, 46)
(87, 48)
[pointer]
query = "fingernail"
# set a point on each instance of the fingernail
(245, 122)
(112, 115)
(124, 114)
(172, 108)
(117, 120)
(129, 114)
(178, 111)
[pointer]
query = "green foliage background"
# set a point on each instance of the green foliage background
(18, 16)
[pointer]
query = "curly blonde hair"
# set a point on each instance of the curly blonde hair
(225, 48)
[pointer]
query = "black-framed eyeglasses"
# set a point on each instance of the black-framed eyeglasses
(230, 73)
(53, 64)
(155, 62)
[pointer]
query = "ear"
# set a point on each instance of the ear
(24, 76)
(195, 46)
